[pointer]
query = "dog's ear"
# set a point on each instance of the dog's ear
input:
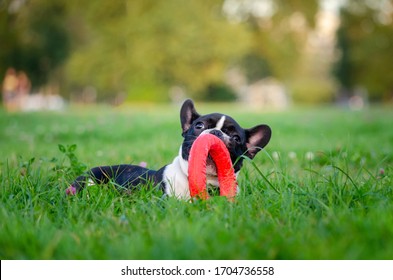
(257, 138)
(187, 115)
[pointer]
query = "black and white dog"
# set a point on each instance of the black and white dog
(173, 178)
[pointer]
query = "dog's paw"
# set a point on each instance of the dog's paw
(71, 190)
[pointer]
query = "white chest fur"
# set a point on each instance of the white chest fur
(175, 178)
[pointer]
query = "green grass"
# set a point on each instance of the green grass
(322, 189)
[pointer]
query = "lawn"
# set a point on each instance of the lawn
(322, 188)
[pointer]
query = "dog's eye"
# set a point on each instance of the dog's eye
(199, 125)
(236, 138)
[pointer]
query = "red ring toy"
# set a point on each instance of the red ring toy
(204, 145)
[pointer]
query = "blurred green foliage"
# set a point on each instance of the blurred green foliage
(153, 44)
(365, 42)
(34, 38)
(141, 49)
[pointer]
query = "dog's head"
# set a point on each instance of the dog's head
(239, 141)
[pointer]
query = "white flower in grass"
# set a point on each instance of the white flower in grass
(310, 156)
(292, 155)
(276, 156)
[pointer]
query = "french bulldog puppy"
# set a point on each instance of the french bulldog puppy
(173, 177)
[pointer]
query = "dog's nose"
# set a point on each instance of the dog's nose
(217, 133)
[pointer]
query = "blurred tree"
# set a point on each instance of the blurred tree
(8, 39)
(219, 92)
(33, 37)
(280, 46)
(280, 33)
(365, 44)
(144, 47)
(255, 66)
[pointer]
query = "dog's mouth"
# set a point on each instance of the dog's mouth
(211, 169)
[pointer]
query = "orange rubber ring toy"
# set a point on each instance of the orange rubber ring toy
(203, 146)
